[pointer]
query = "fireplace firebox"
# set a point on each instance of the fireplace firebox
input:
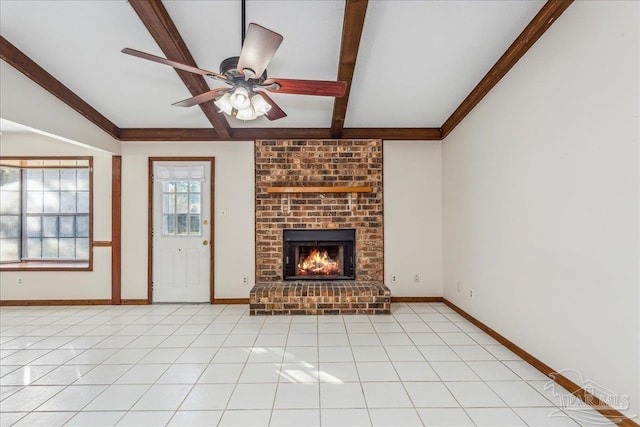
(319, 254)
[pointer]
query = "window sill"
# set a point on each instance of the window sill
(46, 266)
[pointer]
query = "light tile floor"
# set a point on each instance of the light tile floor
(208, 365)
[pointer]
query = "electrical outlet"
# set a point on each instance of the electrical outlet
(245, 280)
(416, 278)
(458, 286)
(471, 293)
(394, 278)
(20, 281)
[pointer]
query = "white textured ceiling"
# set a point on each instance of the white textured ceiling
(417, 61)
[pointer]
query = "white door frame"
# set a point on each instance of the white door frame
(211, 161)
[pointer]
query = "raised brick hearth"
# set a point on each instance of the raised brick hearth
(320, 298)
(319, 164)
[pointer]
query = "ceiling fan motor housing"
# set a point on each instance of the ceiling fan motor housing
(229, 67)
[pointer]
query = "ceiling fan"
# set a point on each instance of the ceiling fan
(246, 77)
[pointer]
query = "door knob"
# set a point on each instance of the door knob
(205, 242)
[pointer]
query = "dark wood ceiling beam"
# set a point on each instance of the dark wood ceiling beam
(281, 133)
(21, 62)
(354, 14)
(168, 134)
(161, 27)
(239, 134)
(388, 134)
(533, 31)
(250, 134)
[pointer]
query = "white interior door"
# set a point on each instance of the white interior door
(181, 231)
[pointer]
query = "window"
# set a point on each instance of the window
(45, 210)
(181, 208)
(181, 198)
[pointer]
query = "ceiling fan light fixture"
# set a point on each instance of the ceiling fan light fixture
(224, 104)
(255, 106)
(261, 106)
(246, 114)
(239, 99)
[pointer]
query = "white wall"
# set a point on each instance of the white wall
(28, 104)
(541, 200)
(94, 284)
(234, 232)
(412, 218)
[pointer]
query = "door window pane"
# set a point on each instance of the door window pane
(168, 225)
(168, 186)
(182, 186)
(182, 203)
(168, 203)
(194, 203)
(194, 225)
(181, 225)
(194, 187)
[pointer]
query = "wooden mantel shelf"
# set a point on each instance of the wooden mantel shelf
(291, 190)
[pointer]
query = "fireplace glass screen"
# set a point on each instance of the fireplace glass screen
(319, 254)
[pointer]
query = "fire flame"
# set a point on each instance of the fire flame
(318, 263)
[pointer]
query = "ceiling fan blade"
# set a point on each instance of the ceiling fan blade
(275, 112)
(199, 99)
(307, 87)
(173, 64)
(260, 44)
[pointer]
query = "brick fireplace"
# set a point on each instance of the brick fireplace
(315, 185)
